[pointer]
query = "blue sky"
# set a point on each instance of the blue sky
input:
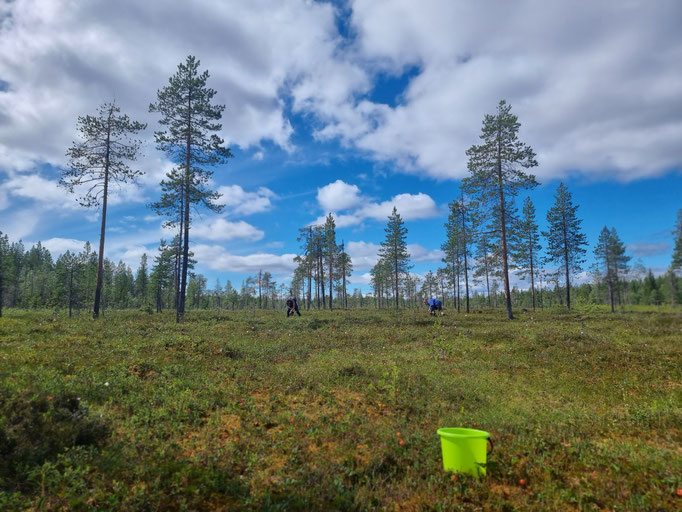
(349, 107)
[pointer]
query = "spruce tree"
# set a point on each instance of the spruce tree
(457, 247)
(610, 255)
(527, 245)
(96, 161)
(394, 250)
(331, 252)
(161, 276)
(429, 285)
(676, 263)
(67, 271)
(497, 176)
(487, 256)
(451, 252)
(305, 260)
(190, 139)
(346, 270)
(4, 255)
(565, 239)
(318, 256)
(142, 281)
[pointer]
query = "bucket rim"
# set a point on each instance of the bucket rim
(463, 433)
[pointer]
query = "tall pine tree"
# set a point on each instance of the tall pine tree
(97, 160)
(190, 139)
(497, 176)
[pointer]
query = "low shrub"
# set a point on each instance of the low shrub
(37, 428)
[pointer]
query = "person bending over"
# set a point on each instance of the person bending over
(292, 307)
(434, 305)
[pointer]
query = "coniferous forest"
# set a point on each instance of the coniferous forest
(32, 279)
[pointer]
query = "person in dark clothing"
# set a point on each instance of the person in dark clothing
(434, 305)
(292, 307)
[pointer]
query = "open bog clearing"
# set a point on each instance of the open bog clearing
(339, 411)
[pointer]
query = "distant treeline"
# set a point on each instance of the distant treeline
(32, 279)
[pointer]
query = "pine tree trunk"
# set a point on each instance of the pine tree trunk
(316, 278)
(70, 289)
(487, 280)
(532, 274)
(464, 239)
(395, 263)
(180, 313)
(466, 280)
(345, 296)
(100, 256)
(310, 284)
(459, 301)
(260, 298)
(503, 226)
(324, 296)
(177, 261)
(568, 283)
(331, 288)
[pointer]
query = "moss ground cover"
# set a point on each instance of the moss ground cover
(339, 411)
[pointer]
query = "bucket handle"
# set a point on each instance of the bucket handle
(492, 446)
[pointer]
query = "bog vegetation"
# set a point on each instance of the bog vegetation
(236, 410)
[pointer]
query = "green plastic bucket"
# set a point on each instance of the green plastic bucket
(464, 450)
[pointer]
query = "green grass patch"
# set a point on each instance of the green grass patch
(254, 411)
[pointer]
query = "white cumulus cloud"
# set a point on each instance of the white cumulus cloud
(338, 196)
(217, 258)
(366, 254)
(239, 202)
(409, 206)
(595, 84)
(58, 246)
(223, 229)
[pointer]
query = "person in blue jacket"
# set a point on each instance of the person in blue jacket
(434, 305)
